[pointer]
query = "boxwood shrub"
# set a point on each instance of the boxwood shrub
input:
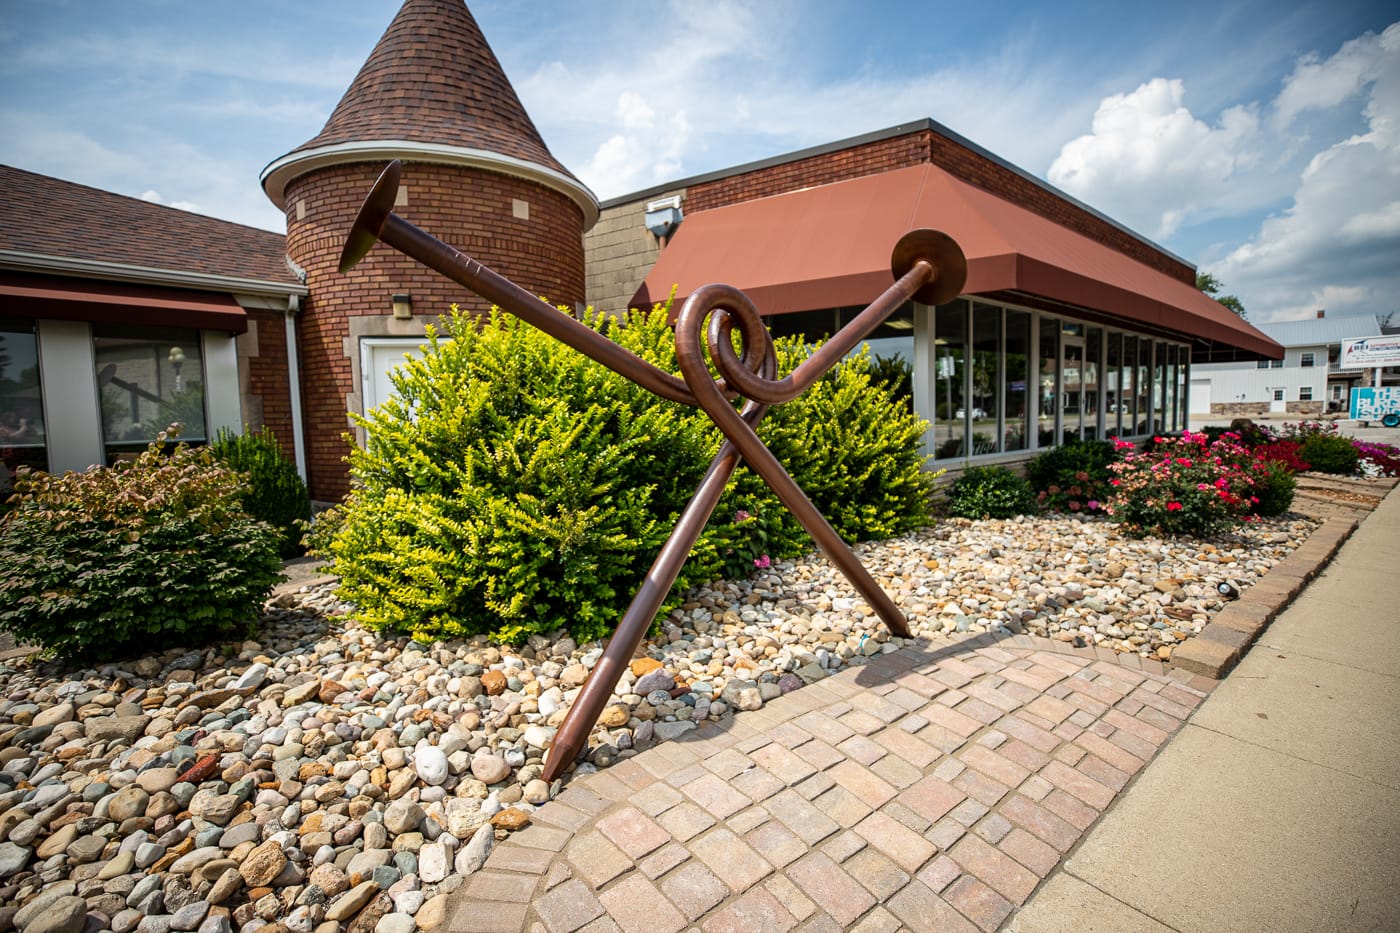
(276, 493)
(512, 486)
(150, 552)
(990, 492)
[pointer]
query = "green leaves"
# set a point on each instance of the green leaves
(97, 563)
(513, 486)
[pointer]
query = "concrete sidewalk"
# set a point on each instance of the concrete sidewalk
(1277, 805)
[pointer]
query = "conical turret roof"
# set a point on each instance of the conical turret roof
(433, 86)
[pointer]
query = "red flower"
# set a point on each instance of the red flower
(1173, 506)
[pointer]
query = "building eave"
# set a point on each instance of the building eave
(18, 261)
(280, 172)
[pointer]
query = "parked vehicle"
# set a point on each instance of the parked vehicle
(1372, 404)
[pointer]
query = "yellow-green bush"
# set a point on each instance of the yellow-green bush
(513, 486)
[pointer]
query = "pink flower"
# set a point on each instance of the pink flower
(1093, 504)
(1073, 506)
(762, 563)
(1173, 506)
(742, 516)
(1202, 486)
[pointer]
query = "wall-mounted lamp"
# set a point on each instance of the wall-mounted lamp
(403, 307)
(664, 216)
(177, 360)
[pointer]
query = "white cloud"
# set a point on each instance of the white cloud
(1337, 245)
(1150, 163)
(708, 88)
(1316, 85)
(633, 112)
(152, 196)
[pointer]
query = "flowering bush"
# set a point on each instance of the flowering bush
(1378, 459)
(1274, 487)
(1303, 430)
(1072, 477)
(1183, 486)
(742, 544)
(1284, 452)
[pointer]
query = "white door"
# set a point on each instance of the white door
(379, 356)
(1277, 404)
(1200, 396)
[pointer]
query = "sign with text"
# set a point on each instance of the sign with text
(1371, 352)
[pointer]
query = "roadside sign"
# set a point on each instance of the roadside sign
(1371, 352)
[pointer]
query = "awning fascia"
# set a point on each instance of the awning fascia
(817, 251)
(116, 303)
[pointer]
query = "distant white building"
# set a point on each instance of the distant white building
(1308, 380)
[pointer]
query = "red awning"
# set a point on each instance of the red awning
(37, 296)
(830, 247)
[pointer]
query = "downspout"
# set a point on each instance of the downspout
(294, 384)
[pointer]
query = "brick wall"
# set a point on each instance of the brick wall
(267, 397)
(917, 148)
(873, 158)
(620, 251)
(472, 210)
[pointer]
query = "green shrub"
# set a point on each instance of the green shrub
(896, 373)
(1274, 487)
(1184, 485)
(1073, 476)
(319, 533)
(990, 492)
(276, 493)
(151, 552)
(1330, 453)
(513, 486)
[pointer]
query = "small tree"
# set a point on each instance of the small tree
(1213, 286)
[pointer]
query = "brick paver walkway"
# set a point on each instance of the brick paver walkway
(931, 789)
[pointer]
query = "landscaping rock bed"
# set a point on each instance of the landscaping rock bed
(323, 777)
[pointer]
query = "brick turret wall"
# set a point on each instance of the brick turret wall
(472, 210)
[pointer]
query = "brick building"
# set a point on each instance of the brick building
(120, 314)
(1069, 325)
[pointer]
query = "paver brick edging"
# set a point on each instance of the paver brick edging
(1226, 638)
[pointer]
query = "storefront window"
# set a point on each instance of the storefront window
(1161, 390)
(1014, 396)
(1092, 340)
(1142, 386)
(1113, 385)
(891, 350)
(986, 378)
(950, 377)
(1183, 373)
(1049, 380)
(148, 378)
(22, 438)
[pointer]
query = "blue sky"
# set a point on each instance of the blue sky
(1258, 140)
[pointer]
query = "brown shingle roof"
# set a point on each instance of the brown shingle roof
(434, 79)
(52, 217)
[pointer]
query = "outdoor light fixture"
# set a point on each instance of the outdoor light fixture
(177, 359)
(403, 307)
(664, 216)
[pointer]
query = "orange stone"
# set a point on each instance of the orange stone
(330, 689)
(511, 819)
(642, 666)
(493, 682)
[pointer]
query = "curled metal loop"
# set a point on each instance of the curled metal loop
(719, 310)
